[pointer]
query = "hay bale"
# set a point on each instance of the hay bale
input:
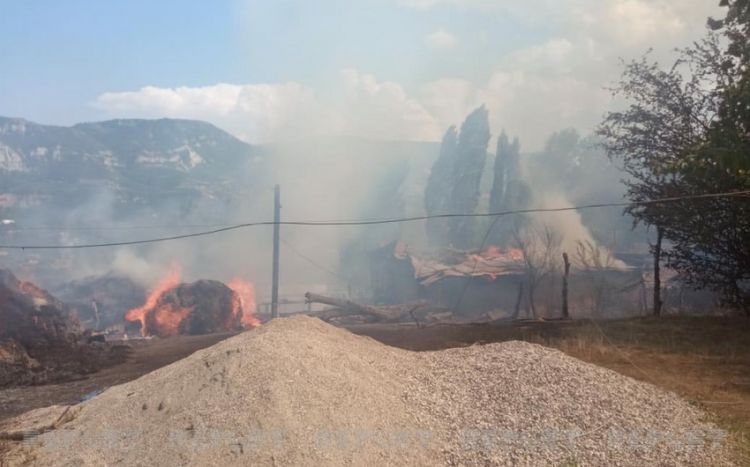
(32, 317)
(202, 307)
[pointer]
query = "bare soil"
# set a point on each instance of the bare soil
(145, 356)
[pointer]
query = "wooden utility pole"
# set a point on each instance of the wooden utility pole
(657, 275)
(566, 262)
(276, 228)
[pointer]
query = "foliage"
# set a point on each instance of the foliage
(509, 190)
(467, 175)
(593, 263)
(541, 247)
(437, 193)
(454, 183)
(686, 132)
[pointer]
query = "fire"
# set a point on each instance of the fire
(492, 252)
(245, 293)
(167, 310)
(162, 321)
(168, 319)
(516, 254)
(39, 296)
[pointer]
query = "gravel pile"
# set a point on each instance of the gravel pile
(300, 392)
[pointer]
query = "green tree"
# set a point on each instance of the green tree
(712, 237)
(471, 155)
(509, 190)
(439, 187)
(685, 132)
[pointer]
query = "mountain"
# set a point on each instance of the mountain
(105, 146)
(124, 180)
(139, 162)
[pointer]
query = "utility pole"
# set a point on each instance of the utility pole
(565, 312)
(276, 227)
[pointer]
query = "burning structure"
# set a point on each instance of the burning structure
(503, 282)
(201, 307)
(440, 277)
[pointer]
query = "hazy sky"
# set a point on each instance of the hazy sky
(390, 69)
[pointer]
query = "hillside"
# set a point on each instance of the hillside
(140, 162)
(126, 179)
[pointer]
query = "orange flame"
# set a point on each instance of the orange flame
(166, 319)
(28, 288)
(163, 319)
(492, 252)
(245, 305)
(516, 254)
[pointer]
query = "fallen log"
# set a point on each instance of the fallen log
(381, 313)
(334, 314)
(353, 307)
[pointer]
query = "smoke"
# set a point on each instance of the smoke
(127, 263)
(320, 179)
(573, 171)
(568, 224)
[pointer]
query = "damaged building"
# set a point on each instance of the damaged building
(494, 282)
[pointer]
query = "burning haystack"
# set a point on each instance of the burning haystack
(201, 307)
(32, 317)
(39, 337)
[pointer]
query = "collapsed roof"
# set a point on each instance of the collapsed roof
(430, 268)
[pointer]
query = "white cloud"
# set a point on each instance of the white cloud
(554, 82)
(441, 39)
(383, 110)
(560, 81)
(256, 112)
(527, 104)
(262, 113)
(426, 4)
(449, 100)
(638, 23)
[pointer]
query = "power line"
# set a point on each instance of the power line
(21, 228)
(373, 222)
(360, 221)
(310, 260)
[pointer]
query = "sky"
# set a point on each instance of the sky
(268, 71)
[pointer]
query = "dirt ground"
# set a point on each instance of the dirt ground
(146, 356)
(705, 360)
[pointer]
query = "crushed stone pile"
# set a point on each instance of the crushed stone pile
(298, 391)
